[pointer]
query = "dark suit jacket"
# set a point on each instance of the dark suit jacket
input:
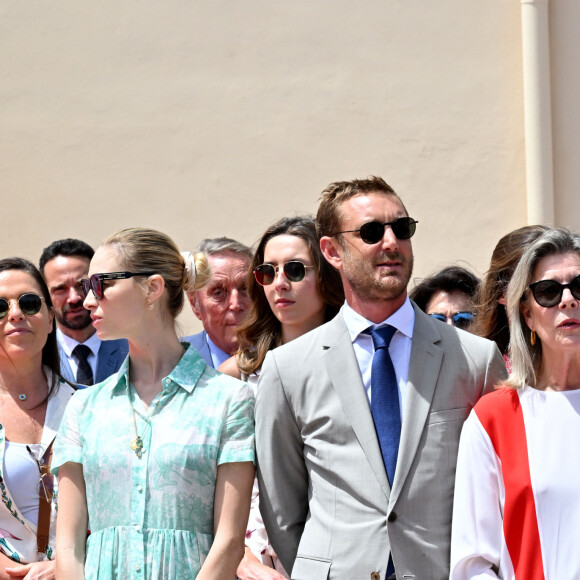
(111, 355)
(324, 494)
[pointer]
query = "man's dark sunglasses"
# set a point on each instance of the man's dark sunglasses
(461, 320)
(28, 303)
(294, 270)
(548, 293)
(95, 282)
(373, 232)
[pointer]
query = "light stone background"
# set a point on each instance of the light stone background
(205, 118)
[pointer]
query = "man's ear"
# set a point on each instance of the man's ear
(332, 251)
(194, 302)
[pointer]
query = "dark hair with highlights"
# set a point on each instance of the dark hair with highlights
(492, 321)
(261, 331)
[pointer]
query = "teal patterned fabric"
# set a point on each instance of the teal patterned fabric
(153, 517)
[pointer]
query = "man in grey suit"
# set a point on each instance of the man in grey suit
(84, 358)
(223, 303)
(357, 444)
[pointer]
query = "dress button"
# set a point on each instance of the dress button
(392, 517)
(137, 568)
(375, 576)
(139, 487)
(138, 527)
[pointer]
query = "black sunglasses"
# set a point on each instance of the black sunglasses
(461, 320)
(294, 270)
(28, 303)
(373, 232)
(95, 282)
(548, 293)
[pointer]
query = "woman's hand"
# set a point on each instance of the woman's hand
(35, 571)
(251, 568)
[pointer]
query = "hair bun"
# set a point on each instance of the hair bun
(190, 271)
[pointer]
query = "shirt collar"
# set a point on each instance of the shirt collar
(218, 356)
(185, 375)
(68, 344)
(403, 320)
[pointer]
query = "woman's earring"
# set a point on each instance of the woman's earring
(533, 338)
(148, 304)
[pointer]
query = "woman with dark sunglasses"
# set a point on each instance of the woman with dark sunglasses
(517, 499)
(32, 403)
(293, 290)
(448, 296)
(158, 458)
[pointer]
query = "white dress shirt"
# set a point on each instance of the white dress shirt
(399, 349)
(68, 344)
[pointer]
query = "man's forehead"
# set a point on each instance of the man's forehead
(367, 204)
(226, 263)
(62, 265)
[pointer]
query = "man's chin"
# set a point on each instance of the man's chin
(75, 323)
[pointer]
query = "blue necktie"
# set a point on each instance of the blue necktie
(385, 399)
(385, 405)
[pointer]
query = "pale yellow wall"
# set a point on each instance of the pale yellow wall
(565, 81)
(209, 118)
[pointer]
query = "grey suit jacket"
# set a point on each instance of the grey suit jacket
(199, 342)
(324, 494)
(112, 353)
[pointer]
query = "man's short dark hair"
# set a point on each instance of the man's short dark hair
(67, 247)
(450, 279)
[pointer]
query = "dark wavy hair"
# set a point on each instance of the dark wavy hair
(492, 321)
(50, 356)
(450, 279)
(261, 331)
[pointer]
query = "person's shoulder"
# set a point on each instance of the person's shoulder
(451, 338)
(497, 403)
(193, 338)
(310, 342)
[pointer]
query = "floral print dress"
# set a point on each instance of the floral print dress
(152, 516)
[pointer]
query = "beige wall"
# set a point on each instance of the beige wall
(211, 118)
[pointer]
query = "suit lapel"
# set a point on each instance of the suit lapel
(343, 371)
(425, 363)
(106, 360)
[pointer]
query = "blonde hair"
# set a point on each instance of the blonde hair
(147, 250)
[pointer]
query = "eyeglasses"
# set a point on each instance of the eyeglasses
(373, 232)
(461, 320)
(95, 282)
(548, 293)
(28, 303)
(46, 481)
(294, 270)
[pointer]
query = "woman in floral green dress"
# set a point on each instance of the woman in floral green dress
(158, 459)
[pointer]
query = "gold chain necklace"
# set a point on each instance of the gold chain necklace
(137, 443)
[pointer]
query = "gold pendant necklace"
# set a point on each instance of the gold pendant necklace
(137, 443)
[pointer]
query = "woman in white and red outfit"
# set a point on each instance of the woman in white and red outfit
(517, 498)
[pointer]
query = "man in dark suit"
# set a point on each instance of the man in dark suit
(224, 302)
(358, 421)
(84, 358)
